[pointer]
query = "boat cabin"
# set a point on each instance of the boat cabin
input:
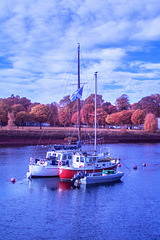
(83, 160)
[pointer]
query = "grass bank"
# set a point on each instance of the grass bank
(59, 135)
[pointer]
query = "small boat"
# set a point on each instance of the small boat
(106, 176)
(48, 167)
(87, 163)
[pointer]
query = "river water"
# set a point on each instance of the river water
(49, 209)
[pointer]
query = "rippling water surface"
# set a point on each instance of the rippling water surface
(49, 209)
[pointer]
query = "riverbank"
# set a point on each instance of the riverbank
(59, 135)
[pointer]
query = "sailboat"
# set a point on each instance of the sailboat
(66, 161)
(86, 162)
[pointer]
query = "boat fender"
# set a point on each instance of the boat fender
(13, 180)
(135, 167)
(80, 166)
(59, 163)
(42, 161)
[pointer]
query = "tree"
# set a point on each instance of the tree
(138, 117)
(22, 117)
(109, 119)
(150, 104)
(40, 113)
(124, 117)
(109, 108)
(74, 118)
(71, 108)
(25, 102)
(64, 116)
(150, 123)
(101, 115)
(86, 113)
(17, 108)
(12, 100)
(11, 120)
(65, 101)
(112, 109)
(53, 117)
(91, 100)
(114, 117)
(122, 103)
(3, 113)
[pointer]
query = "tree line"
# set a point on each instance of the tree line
(65, 113)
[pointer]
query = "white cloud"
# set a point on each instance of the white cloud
(39, 40)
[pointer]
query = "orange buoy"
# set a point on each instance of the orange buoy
(119, 165)
(13, 180)
(144, 165)
(135, 167)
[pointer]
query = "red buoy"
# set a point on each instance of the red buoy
(135, 167)
(13, 180)
(144, 165)
(119, 165)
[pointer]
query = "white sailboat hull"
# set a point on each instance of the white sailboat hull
(43, 171)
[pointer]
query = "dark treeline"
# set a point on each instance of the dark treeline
(23, 112)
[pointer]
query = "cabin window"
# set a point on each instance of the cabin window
(77, 159)
(59, 157)
(88, 160)
(82, 159)
(64, 157)
(69, 156)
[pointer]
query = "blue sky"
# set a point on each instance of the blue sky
(119, 38)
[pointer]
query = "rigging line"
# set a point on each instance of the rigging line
(83, 64)
(126, 166)
(72, 63)
(68, 73)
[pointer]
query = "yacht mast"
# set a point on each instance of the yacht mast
(79, 106)
(95, 140)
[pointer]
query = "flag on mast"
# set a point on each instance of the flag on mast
(77, 94)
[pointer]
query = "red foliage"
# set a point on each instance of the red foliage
(138, 117)
(151, 123)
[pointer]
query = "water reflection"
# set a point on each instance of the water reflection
(43, 184)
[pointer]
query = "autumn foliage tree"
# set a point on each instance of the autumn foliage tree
(21, 118)
(3, 113)
(109, 119)
(17, 108)
(53, 117)
(101, 115)
(150, 104)
(64, 116)
(125, 117)
(87, 112)
(40, 113)
(109, 108)
(138, 117)
(150, 123)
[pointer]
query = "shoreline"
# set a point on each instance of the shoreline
(58, 135)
